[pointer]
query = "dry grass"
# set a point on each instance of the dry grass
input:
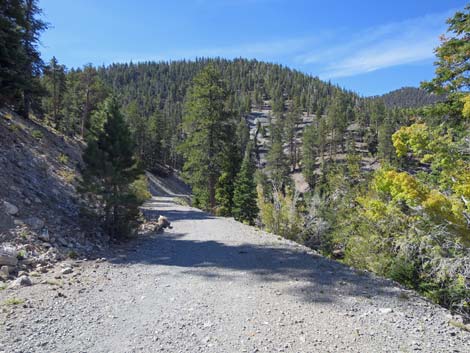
(13, 301)
(460, 325)
(67, 175)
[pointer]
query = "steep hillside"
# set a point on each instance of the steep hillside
(39, 206)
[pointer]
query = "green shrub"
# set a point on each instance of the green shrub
(63, 158)
(38, 135)
(72, 254)
(404, 272)
(13, 301)
(21, 254)
(280, 215)
(140, 189)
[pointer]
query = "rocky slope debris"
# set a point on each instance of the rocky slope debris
(40, 220)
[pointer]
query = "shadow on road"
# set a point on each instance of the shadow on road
(311, 277)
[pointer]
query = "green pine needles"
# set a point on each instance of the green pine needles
(207, 126)
(110, 170)
(245, 208)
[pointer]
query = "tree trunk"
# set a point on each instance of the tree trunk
(85, 112)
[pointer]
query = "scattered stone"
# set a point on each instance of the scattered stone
(44, 235)
(42, 269)
(161, 224)
(66, 270)
(338, 254)
(8, 256)
(21, 282)
(385, 311)
(28, 261)
(10, 208)
(62, 241)
(164, 222)
(4, 271)
(34, 222)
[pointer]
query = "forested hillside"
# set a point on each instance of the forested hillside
(409, 97)
(385, 181)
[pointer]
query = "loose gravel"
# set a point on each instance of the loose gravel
(214, 285)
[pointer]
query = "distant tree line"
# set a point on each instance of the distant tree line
(409, 97)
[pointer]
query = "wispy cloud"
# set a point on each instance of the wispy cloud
(351, 54)
(379, 47)
(331, 54)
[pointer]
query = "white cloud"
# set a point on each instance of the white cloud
(332, 54)
(379, 47)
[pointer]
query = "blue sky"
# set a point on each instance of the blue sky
(371, 47)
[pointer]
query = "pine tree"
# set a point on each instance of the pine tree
(225, 185)
(91, 92)
(110, 169)
(453, 56)
(152, 149)
(277, 163)
(206, 125)
(20, 61)
(54, 81)
(310, 153)
(245, 207)
(224, 195)
(292, 122)
(337, 122)
(385, 148)
(12, 53)
(32, 66)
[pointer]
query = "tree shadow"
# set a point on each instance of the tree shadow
(313, 278)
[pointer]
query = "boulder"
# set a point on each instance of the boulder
(66, 271)
(34, 222)
(6, 222)
(163, 222)
(21, 282)
(44, 235)
(4, 271)
(10, 209)
(8, 256)
(338, 254)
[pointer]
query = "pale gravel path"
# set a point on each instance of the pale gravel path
(215, 285)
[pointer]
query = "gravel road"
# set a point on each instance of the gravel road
(214, 285)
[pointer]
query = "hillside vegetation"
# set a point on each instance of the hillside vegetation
(409, 97)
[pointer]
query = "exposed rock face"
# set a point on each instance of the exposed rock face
(39, 203)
